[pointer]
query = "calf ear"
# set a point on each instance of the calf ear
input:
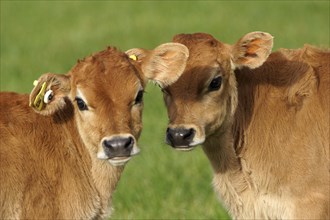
(49, 93)
(252, 50)
(163, 65)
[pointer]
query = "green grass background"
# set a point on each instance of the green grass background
(49, 36)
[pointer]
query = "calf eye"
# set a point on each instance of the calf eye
(139, 97)
(81, 104)
(215, 83)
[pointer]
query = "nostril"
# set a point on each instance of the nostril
(107, 143)
(170, 135)
(129, 142)
(188, 134)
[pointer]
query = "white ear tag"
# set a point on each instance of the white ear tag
(48, 96)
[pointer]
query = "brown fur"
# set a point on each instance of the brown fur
(266, 130)
(46, 170)
(49, 157)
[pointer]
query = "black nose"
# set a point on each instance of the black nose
(118, 146)
(179, 136)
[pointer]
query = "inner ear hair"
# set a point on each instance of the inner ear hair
(166, 63)
(252, 50)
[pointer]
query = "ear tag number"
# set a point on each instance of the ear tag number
(39, 100)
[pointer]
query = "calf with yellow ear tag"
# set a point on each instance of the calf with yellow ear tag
(64, 146)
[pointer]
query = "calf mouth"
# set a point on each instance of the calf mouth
(122, 160)
(180, 147)
(119, 161)
(183, 148)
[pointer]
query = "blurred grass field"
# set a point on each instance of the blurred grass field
(49, 36)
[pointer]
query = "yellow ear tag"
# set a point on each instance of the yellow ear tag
(133, 57)
(39, 100)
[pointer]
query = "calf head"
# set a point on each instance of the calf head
(104, 94)
(203, 100)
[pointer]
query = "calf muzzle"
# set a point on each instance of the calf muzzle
(118, 146)
(180, 137)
